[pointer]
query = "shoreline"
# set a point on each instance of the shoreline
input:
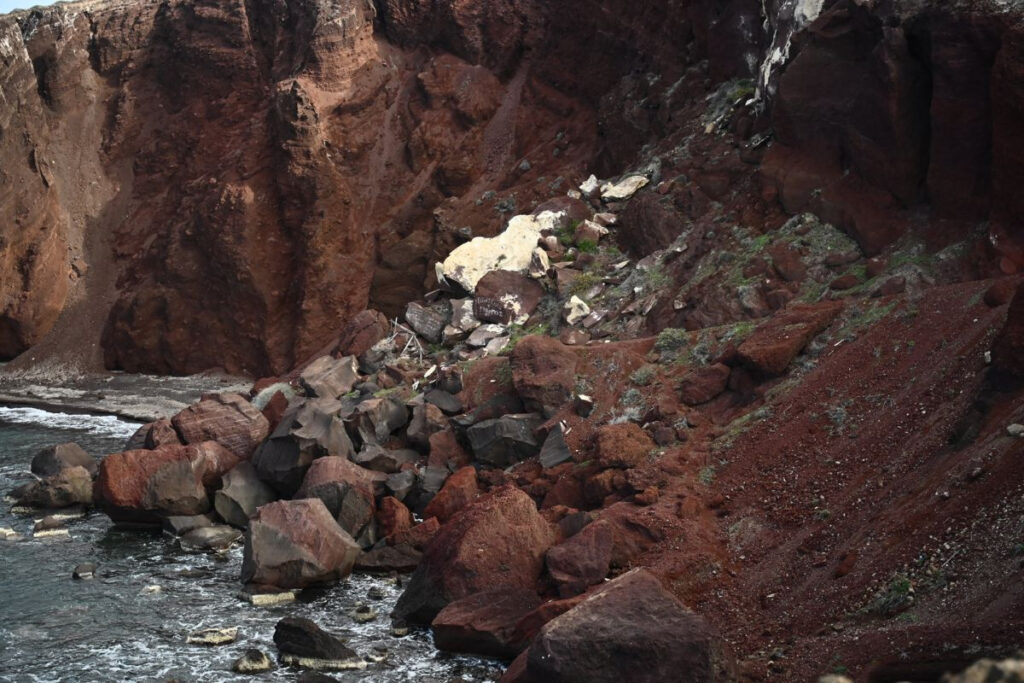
(136, 398)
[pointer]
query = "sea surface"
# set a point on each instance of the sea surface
(130, 623)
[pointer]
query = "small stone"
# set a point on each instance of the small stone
(575, 310)
(213, 636)
(259, 597)
(399, 629)
(375, 593)
(590, 185)
(86, 570)
(624, 189)
(8, 534)
(253, 662)
(1016, 430)
(584, 405)
(364, 613)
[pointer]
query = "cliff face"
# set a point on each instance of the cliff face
(191, 184)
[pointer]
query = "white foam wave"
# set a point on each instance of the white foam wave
(98, 425)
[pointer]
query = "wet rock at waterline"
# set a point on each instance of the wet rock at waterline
(253, 662)
(69, 486)
(484, 623)
(302, 643)
(213, 637)
(55, 459)
(296, 543)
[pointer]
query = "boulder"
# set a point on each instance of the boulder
(459, 490)
(447, 403)
(392, 516)
(179, 525)
(318, 424)
(582, 561)
(388, 461)
(772, 347)
(346, 489)
(427, 321)
(153, 435)
(213, 459)
(228, 419)
(302, 643)
(361, 332)
(241, 493)
(296, 543)
(484, 623)
(515, 294)
(253, 661)
(70, 486)
(632, 629)
(589, 231)
(512, 250)
(418, 536)
(378, 418)
(283, 459)
(498, 540)
(55, 459)
(427, 420)
(544, 373)
(622, 445)
(328, 377)
(700, 385)
(505, 440)
(140, 487)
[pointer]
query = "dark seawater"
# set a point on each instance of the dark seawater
(131, 622)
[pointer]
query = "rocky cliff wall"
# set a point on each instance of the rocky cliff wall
(192, 184)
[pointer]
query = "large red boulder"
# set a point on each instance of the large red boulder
(228, 419)
(296, 543)
(544, 373)
(700, 385)
(583, 560)
(484, 623)
(459, 490)
(633, 630)
(499, 540)
(392, 517)
(346, 489)
(142, 486)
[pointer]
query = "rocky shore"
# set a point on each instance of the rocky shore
(653, 341)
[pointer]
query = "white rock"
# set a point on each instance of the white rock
(484, 334)
(540, 264)
(590, 185)
(8, 534)
(575, 310)
(213, 636)
(606, 219)
(624, 189)
(496, 345)
(511, 250)
(1016, 430)
(462, 315)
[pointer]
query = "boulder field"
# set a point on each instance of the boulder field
(658, 341)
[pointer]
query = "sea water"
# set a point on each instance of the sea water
(130, 623)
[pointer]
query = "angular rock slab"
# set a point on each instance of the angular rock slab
(296, 543)
(511, 250)
(583, 560)
(241, 494)
(498, 540)
(328, 377)
(505, 440)
(632, 629)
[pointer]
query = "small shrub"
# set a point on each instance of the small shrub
(706, 475)
(643, 376)
(587, 246)
(672, 340)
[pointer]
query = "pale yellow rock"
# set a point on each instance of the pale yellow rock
(512, 250)
(624, 189)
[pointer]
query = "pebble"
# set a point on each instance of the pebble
(252, 662)
(375, 593)
(364, 613)
(8, 534)
(399, 629)
(213, 636)
(86, 570)
(1016, 430)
